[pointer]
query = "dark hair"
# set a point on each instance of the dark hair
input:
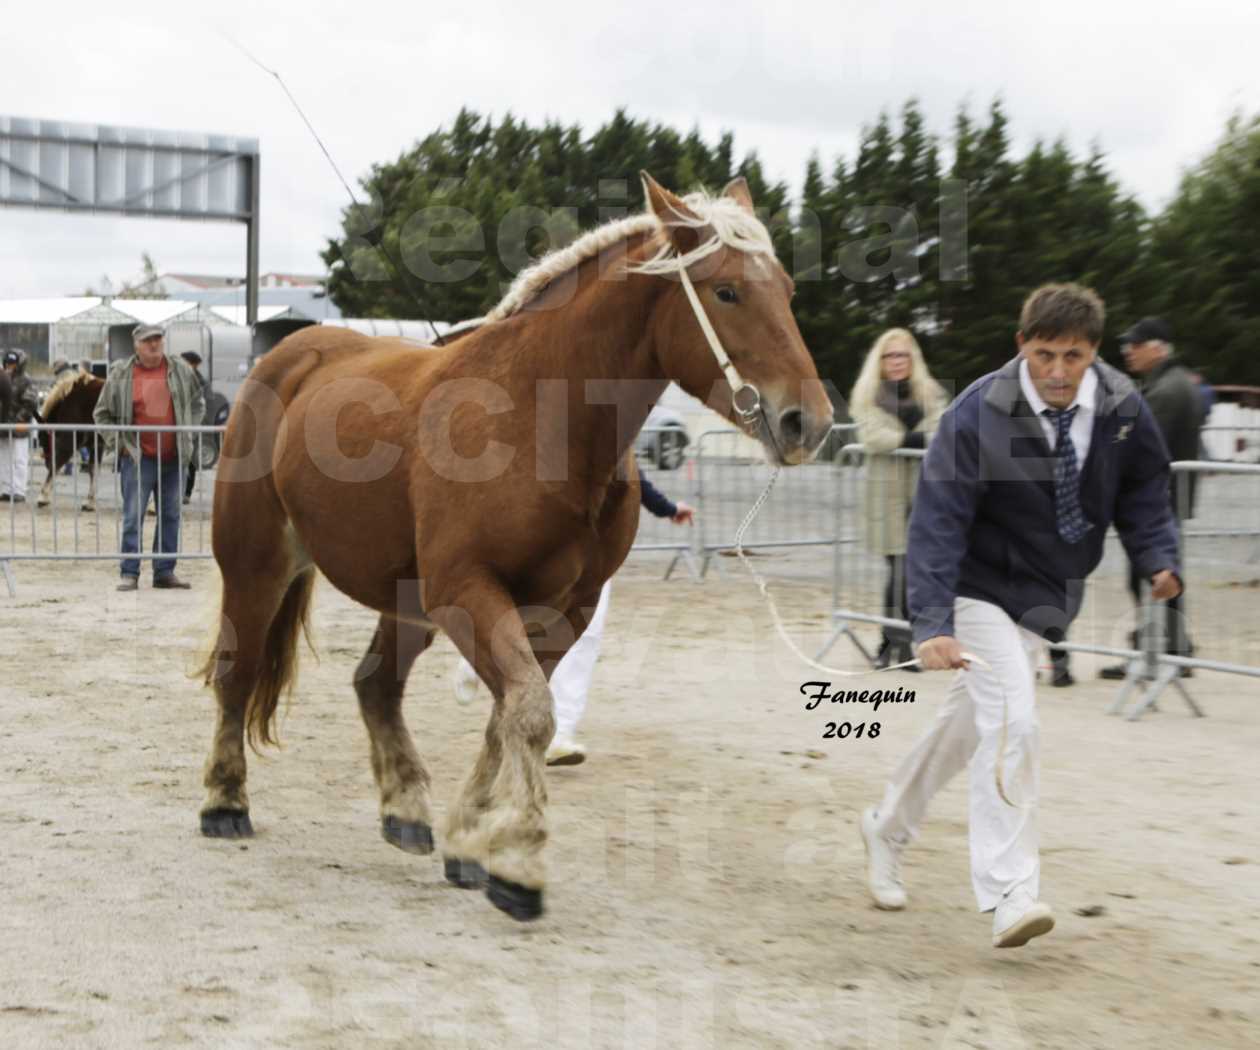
(1055, 311)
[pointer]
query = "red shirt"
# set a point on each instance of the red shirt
(151, 405)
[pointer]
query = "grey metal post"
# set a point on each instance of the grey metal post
(251, 235)
(1162, 675)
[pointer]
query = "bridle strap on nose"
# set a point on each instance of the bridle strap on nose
(745, 398)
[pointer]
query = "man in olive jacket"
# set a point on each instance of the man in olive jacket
(151, 388)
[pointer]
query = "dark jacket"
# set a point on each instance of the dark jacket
(983, 524)
(1177, 405)
(655, 500)
(18, 401)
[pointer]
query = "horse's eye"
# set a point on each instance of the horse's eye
(726, 294)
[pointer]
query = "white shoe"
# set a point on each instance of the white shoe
(466, 682)
(883, 866)
(1019, 918)
(565, 751)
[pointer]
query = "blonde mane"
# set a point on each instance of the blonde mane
(732, 226)
(61, 389)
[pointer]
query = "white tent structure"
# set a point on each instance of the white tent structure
(78, 327)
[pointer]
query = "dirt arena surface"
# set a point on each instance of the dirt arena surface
(706, 874)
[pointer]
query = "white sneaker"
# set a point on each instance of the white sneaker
(1020, 918)
(466, 682)
(883, 866)
(565, 751)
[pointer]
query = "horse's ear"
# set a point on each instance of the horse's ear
(737, 190)
(682, 225)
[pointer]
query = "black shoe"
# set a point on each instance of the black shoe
(130, 583)
(5, 497)
(1115, 672)
(171, 583)
(884, 657)
(1061, 678)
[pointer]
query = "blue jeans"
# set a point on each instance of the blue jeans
(166, 487)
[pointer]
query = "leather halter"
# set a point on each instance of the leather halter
(745, 397)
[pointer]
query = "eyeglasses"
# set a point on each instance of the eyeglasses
(893, 354)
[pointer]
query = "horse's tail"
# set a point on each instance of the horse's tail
(279, 659)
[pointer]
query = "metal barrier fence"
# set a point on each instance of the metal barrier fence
(74, 526)
(82, 522)
(721, 476)
(1220, 564)
(819, 505)
(1230, 444)
(801, 511)
(669, 464)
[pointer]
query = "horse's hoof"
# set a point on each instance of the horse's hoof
(226, 824)
(42, 502)
(89, 507)
(520, 902)
(466, 874)
(410, 836)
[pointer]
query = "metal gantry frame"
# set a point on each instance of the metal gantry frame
(138, 172)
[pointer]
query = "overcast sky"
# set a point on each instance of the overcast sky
(1154, 88)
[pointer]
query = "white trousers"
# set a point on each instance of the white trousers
(15, 465)
(969, 731)
(570, 681)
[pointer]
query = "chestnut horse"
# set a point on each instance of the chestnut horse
(71, 401)
(486, 489)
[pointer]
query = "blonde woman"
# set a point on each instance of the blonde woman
(896, 404)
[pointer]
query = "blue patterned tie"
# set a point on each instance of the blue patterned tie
(1069, 518)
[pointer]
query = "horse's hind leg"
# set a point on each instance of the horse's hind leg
(400, 775)
(45, 490)
(235, 668)
(90, 502)
(50, 462)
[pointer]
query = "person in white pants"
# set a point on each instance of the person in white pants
(967, 733)
(1029, 467)
(571, 680)
(15, 464)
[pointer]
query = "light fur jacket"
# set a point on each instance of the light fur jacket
(891, 480)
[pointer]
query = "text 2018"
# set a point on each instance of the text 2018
(846, 729)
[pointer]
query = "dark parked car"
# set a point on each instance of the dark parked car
(663, 440)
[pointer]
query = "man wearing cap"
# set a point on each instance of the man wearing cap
(151, 388)
(1170, 390)
(18, 405)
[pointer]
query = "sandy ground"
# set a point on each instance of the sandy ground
(705, 870)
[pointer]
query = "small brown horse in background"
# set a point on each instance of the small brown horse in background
(486, 489)
(70, 402)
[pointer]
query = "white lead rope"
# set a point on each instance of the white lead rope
(748, 415)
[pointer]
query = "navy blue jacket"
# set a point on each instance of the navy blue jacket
(655, 500)
(983, 524)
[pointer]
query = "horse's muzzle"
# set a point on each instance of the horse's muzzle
(799, 435)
